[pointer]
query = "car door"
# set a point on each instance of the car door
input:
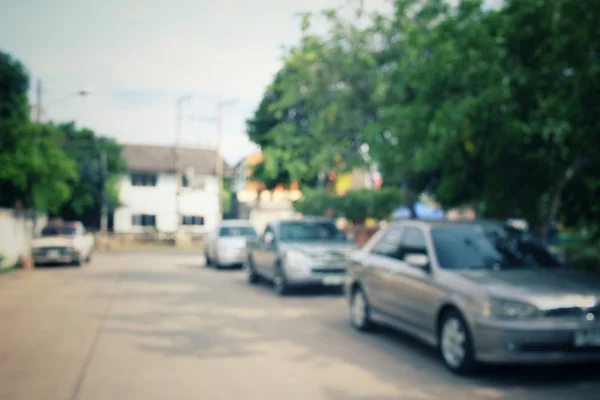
(211, 244)
(416, 295)
(378, 271)
(260, 254)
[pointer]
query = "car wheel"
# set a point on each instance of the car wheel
(253, 277)
(456, 346)
(360, 311)
(279, 282)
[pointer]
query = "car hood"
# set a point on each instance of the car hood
(323, 248)
(545, 287)
(235, 242)
(53, 241)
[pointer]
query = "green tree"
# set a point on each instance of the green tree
(86, 148)
(34, 170)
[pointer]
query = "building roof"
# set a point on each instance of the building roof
(147, 158)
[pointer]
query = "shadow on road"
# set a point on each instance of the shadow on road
(216, 318)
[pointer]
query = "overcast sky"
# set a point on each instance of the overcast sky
(136, 57)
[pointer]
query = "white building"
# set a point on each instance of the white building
(148, 194)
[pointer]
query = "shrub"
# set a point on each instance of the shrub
(356, 205)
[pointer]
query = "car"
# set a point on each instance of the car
(480, 291)
(299, 252)
(226, 245)
(63, 243)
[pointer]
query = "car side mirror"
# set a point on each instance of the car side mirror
(417, 260)
(269, 238)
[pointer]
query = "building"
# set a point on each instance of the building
(255, 203)
(357, 178)
(149, 193)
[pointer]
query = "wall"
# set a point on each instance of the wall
(15, 236)
(160, 200)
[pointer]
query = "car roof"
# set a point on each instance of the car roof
(303, 219)
(444, 222)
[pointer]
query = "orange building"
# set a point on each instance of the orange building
(243, 176)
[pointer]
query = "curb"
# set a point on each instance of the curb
(8, 269)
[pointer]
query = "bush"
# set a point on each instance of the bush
(356, 205)
(583, 255)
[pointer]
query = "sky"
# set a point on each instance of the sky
(137, 57)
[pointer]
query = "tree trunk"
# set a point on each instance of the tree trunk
(555, 198)
(409, 197)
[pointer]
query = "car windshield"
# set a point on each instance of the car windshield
(478, 246)
(307, 231)
(58, 231)
(235, 231)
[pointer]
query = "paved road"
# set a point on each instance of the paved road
(160, 326)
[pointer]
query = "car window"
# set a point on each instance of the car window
(58, 231)
(388, 244)
(310, 231)
(235, 231)
(413, 242)
(478, 246)
(268, 229)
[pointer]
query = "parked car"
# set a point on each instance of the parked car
(63, 243)
(226, 245)
(479, 291)
(299, 252)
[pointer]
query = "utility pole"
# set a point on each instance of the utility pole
(38, 101)
(219, 161)
(177, 157)
(104, 205)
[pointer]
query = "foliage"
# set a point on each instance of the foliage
(474, 105)
(53, 168)
(228, 202)
(34, 170)
(356, 205)
(85, 147)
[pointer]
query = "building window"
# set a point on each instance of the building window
(143, 179)
(192, 220)
(194, 182)
(143, 220)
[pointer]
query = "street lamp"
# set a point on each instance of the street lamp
(39, 107)
(178, 105)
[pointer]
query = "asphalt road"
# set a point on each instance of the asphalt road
(161, 326)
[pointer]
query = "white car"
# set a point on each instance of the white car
(64, 243)
(226, 245)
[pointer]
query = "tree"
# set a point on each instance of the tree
(85, 147)
(492, 107)
(34, 170)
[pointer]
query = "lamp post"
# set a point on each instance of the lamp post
(28, 258)
(177, 154)
(39, 107)
(218, 121)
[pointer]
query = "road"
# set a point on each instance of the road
(161, 326)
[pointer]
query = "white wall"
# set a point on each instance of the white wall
(15, 236)
(160, 200)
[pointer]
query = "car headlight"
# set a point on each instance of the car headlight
(298, 259)
(510, 309)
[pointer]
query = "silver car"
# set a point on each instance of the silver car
(226, 245)
(299, 252)
(480, 291)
